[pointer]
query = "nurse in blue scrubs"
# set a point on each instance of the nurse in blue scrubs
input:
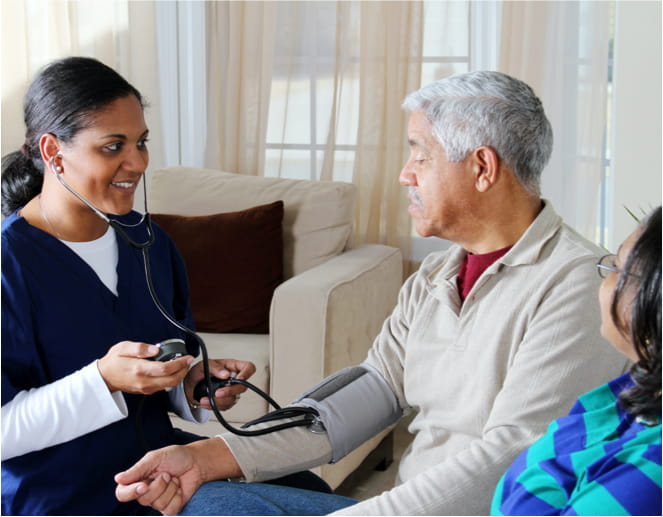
(80, 399)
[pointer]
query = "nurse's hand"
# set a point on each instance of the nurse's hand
(125, 368)
(227, 396)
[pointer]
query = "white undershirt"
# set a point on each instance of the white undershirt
(102, 256)
(80, 402)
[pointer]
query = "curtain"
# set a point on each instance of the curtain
(120, 33)
(390, 68)
(239, 75)
(269, 63)
(561, 50)
(338, 73)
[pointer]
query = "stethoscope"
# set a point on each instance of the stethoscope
(309, 415)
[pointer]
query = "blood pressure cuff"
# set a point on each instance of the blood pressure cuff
(354, 405)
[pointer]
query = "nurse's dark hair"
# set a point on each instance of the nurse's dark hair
(641, 282)
(62, 100)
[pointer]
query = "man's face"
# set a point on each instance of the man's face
(439, 190)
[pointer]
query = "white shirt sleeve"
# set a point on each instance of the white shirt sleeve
(59, 412)
(181, 407)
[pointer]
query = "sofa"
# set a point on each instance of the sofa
(275, 280)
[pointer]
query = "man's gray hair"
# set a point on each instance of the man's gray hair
(469, 110)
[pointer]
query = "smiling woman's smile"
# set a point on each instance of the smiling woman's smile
(105, 162)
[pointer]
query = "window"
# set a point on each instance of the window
(314, 97)
(606, 197)
(302, 96)
(308, 72)
(312, 73)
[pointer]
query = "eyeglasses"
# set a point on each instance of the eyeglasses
(607, 264)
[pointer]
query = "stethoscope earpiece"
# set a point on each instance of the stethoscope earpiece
(56, 168)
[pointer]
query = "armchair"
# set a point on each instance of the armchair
(329, 307)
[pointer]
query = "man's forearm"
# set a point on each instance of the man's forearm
(214, 460)
(277, 454)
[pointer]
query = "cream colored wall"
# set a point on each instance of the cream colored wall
(637, 114)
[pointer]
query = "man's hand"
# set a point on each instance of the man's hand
(164, 479)
(167, 478)
(124, 368)
(221, 368)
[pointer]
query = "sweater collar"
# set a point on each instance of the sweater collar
(525, 251)
(528, 248)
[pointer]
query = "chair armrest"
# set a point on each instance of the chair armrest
(327, 317)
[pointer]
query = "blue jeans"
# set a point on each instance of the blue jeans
(302, 493)
(228, 498)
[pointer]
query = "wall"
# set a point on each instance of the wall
(637, 114)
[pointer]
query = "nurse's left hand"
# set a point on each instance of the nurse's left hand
(227, 396)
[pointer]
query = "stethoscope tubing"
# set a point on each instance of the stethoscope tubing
(144, 247)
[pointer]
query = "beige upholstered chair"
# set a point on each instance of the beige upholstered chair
(331, 304)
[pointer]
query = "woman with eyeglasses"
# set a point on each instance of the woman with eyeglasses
(604, 457)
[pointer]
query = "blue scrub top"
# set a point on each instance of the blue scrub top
(57, 317)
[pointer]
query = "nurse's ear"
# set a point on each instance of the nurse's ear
(49, 147)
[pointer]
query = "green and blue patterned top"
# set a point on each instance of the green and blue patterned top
(597, 460)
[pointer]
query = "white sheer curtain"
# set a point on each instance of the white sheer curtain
(120, 33)
(561, 50)
(239, 77)
(338, 73)
(390, 68)
(335, 71)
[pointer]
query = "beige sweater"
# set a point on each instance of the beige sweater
(485, 377)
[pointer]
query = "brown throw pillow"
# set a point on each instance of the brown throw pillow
(234, 262)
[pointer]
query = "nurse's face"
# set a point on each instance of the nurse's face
(105, 161)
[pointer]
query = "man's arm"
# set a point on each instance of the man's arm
(257, 458)
(167, 478)
(277, 454)
(354, 404)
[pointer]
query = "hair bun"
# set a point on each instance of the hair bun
(21, 181)
(25, 149)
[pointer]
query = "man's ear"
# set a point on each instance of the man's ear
(486, 165)
(49, 147)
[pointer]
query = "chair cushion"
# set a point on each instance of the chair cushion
(317, 221)
(234, 262)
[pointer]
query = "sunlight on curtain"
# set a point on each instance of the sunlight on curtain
(390, 65)
(446, 40)
(313, 89)
(340, 73)
(239, 49)
(314, 100)
(561, 50)
(35, 32)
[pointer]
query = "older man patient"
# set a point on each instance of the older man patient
(490, 340)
